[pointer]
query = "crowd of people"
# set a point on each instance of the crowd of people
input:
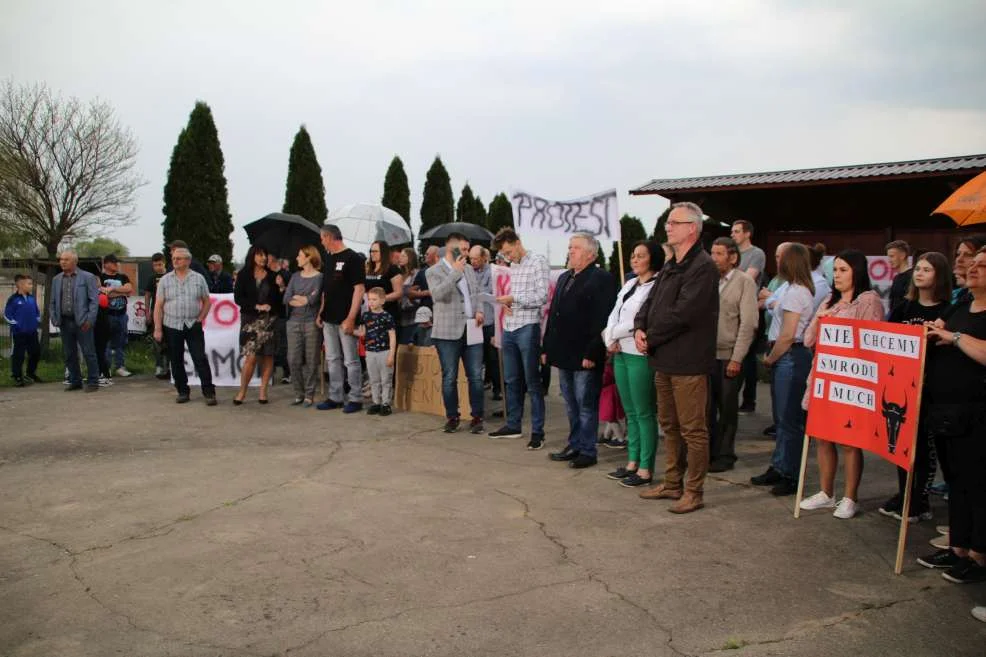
(682, 339)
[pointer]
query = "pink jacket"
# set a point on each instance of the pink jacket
(610, 407)
(866, 306)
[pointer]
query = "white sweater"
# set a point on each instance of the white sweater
(619, 326)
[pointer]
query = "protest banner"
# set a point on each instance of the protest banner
(596, 214)
(865, 391)
(222, 344)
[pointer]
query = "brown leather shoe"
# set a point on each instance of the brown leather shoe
(661, 492)
(689, 502)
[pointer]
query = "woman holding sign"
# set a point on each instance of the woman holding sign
(852, 298)
(926, 300)
(955, 392)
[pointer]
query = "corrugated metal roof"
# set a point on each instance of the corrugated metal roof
(958, 163)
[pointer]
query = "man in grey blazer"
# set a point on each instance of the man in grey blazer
(738, 319)
(454, 295)
(74, 304)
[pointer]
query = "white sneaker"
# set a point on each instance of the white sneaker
(158, 371)
(942, 529)
(940, 542)
(979, 613)
(103, 382)
(846, 509)
(124, 372)
(818, 501)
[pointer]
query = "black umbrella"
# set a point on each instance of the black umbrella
(472, 232)
(283, 234)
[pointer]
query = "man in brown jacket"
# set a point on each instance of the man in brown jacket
(676, 328)
(738, 319)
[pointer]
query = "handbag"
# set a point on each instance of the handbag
(953, 420)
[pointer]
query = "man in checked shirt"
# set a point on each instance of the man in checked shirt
(521, 342)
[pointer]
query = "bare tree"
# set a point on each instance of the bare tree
(67, 168)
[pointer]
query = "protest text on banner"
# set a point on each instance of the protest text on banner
(597, 215)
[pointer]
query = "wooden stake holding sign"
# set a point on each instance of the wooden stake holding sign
(865, 391)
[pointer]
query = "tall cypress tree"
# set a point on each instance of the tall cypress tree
(396, 193)
(304, 193)
(438, 203)
(614, 261)
(465, 209)
(501, 213)
(659, 235)
(479, 212)
(196, 207)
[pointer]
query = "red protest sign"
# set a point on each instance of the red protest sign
(865, 386)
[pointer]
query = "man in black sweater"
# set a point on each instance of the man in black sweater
(573, 343)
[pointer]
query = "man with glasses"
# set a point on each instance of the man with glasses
(181, 306)
(676, 328)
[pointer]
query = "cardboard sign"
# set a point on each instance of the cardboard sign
(418, 382)
(865, 386)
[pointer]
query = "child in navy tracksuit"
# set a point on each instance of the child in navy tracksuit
(24, 318)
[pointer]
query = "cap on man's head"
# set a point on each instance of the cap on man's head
(178, 244)
(215, 257)
(110, 258)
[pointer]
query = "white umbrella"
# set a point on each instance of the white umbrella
(364, 223)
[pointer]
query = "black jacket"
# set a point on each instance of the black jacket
(681, 316)
(577, 318)
(246, 295)
(220, 282)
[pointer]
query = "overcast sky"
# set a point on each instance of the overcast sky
(561, 99)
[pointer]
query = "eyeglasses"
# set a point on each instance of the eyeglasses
(677, 223)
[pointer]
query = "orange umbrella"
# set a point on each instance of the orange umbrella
(967, 204)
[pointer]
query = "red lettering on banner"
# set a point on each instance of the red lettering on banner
(879, 270)
(224, 313)
(139, 310)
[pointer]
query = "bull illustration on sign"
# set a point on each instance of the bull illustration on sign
(895, 415)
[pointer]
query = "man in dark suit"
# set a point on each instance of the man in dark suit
(74, 304)
(573, 343)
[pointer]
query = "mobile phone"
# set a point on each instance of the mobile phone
(456, 253)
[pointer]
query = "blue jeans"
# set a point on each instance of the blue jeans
(449, 353)
(789, 378)
(580, 389)
(521, 364)
(118, 340)
(74, 339)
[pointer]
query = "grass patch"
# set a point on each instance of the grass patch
(139, 359)
(734, 644)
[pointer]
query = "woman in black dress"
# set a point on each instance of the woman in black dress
(259, 298)
(955, 389)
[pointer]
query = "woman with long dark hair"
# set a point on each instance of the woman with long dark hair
(926, 300)
(955, 391)
(259, 298)
(408, 262)
(790, 363)
(852, 298)
(380, 273)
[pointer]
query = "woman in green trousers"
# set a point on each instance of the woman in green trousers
(634, 378)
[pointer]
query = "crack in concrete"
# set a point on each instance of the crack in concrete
(410, 610)
(812, 627)
(591, 575)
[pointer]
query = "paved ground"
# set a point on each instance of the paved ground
(131, 526)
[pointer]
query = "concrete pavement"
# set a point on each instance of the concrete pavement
(132, 526)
